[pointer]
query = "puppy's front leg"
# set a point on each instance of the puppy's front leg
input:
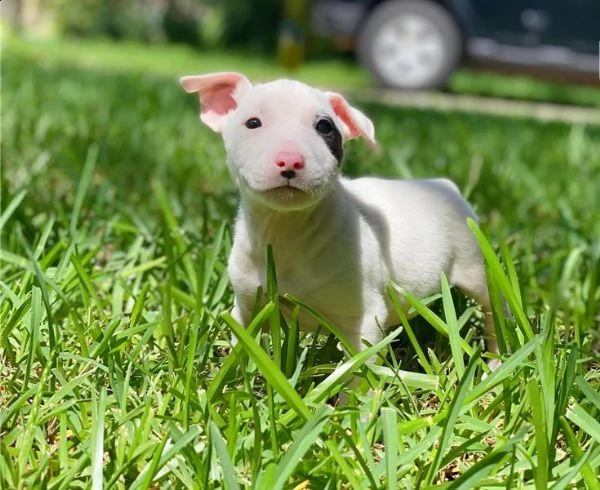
(370, 332)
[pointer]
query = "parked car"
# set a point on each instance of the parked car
(417, 44)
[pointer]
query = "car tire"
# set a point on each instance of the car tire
(410, 44)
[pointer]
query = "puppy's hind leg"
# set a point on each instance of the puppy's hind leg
(472, 282)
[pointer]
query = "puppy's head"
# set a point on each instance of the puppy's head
(283, 139)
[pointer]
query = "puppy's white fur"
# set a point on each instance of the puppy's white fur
(336, 242)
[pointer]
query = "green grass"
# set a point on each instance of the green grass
(115, 362)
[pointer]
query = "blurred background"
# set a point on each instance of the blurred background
(404, 44)
(491, 94)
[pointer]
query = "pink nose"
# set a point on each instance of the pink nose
(289, 160)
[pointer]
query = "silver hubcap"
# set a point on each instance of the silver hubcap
(408, 50)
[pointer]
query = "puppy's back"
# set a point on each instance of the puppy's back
(420, 226)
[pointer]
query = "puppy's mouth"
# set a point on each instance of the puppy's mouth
(285, 191)
(289, 186)
(287, 196)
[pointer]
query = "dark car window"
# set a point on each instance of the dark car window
(573, 24)
(499, 20)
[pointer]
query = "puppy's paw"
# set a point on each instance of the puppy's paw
(493, 364)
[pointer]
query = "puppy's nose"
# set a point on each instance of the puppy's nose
(289, 162)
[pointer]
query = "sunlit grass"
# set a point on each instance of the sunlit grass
(115, 361)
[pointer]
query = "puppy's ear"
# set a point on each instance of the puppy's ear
(357, 123)
(219, 94)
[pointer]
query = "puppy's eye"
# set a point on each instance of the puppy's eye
(324, 126)
(253, 123)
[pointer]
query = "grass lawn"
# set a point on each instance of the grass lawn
(115, 362)
(342, 74)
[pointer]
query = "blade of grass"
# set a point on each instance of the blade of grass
(390, 439)
(538, 416)
(513, 277)
(546, 360)
(590, 393)
(36, 315)
(568, 378)
(497, 274)
(10, 208)
(91, 159)
(452, 325)
(292, 343)
(416, 381)
(97, 446)
(584, 421)
(275, 318)
(221, 449)
(507, 369)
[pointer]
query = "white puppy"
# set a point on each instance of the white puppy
(336, 242)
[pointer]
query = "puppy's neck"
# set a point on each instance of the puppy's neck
(298, 229)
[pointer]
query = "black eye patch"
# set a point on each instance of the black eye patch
(327, 130)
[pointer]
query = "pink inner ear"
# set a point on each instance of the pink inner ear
(218, 99)
(217, 93)
(342, 111)
(357, 124)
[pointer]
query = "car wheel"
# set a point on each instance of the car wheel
(410, 44)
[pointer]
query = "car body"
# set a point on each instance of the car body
(391, 37)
